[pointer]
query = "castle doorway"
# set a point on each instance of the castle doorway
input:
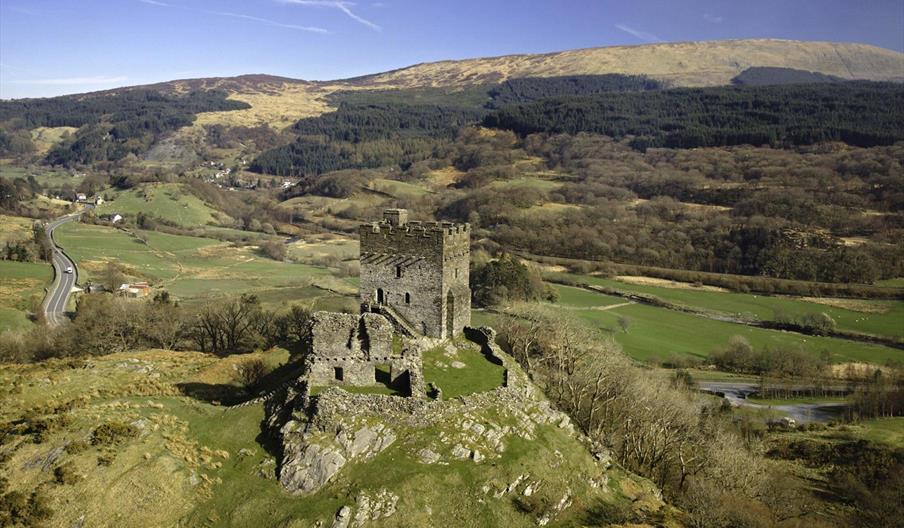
(450, 316)
(338, 373)
(381, 297)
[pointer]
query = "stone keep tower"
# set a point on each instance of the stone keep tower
(417, 273)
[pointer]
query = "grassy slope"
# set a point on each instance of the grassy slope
(169, 201)
(45, 176)
(21, 287)
(765, 308)
(13, 228)
(194, 267)
(196, 464)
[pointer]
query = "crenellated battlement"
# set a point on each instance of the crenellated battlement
(417, 228)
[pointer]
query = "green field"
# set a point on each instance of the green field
(45, 176)
(21, 289)
(193, 267)
(169, 201)
(891, 283)
(658, 333)
(882, 318)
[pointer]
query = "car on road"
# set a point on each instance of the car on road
(68, 269)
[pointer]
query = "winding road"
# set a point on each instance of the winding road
(736, 394)
(63, 283)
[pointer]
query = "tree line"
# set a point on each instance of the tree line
(858, 113)
(110, 126)
(105, 324)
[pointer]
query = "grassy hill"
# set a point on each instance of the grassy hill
(681, 64)
(280, 101)
(170, 201)
(163, 458)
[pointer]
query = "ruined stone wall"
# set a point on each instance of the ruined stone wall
(344, 349)
(413, 268)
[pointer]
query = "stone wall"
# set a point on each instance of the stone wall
(345, 349)
(420, 270)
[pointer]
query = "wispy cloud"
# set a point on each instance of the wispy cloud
(241, 16)
(636, 33)
(312, 29)
(98, 79)
(341, 5)
(713, 19)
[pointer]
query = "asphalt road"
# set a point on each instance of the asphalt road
(737, 392)
(58, 296)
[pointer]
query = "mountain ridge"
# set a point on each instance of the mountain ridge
(689, 63)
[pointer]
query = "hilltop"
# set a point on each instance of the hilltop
(280, 101)
(710, 63)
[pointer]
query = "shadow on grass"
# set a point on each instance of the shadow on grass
(215, 393)
(606, 513)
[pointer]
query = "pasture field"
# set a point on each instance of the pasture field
(658, 333)
(887, 431)
(47, 177)
(192, 268)
(891, 283)
(13, 228)
(882, 318)
(170, 201)
(21, 290)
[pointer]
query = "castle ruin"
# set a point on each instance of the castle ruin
(416, 273)
(414, 281)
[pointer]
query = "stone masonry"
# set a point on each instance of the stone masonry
(346, 349)
(417, 272)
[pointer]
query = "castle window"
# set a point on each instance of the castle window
(398, 272)
(456, 273)
(338, 373)
(407, 298)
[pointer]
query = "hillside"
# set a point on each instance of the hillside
(280, 101)
(133, 439)
(709, 63)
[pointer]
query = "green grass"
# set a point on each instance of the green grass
(170, 201)
(765, 308)
(191, 267)
(888, 431)
(478, 374)
(47, 177)
(581, 298)
(658, 333)
(891, 283)
(21, 289)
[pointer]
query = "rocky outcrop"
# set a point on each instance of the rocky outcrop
(312, 459)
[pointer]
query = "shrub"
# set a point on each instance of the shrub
(18, 509)
(65, 474)
(274, 250)
(76, 446)
(251, 373)
(111, 433)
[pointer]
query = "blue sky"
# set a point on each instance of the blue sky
(50, 47)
